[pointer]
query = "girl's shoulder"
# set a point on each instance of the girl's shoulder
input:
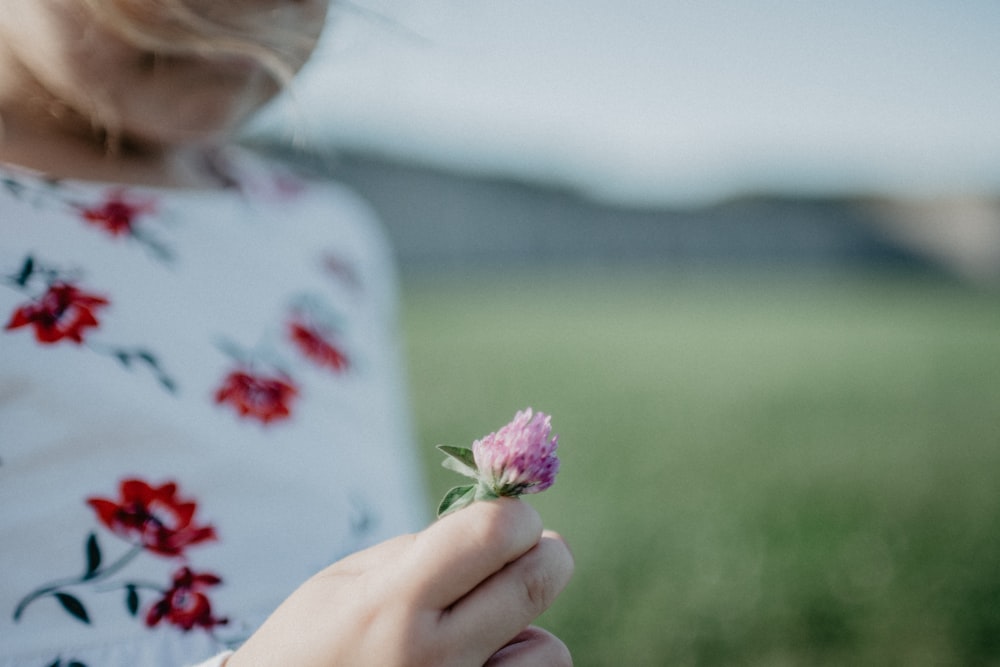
(301, 183)
(280, 173)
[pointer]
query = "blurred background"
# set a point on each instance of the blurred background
(748, 257)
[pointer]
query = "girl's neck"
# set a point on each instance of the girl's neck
(88, 156)
(40, 133)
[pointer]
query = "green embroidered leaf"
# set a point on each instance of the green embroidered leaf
(14, 187)
(73, 606)
(26, 270)
(456, 499)
(131, 599)
(93, 557)
(167, 383)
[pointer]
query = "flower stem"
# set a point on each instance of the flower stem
(59, 584)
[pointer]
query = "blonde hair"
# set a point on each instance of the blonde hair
(165, 27)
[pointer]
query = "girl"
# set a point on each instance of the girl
(200, 388)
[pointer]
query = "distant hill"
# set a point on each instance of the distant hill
(441, 220)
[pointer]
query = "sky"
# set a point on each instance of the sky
(667, 101)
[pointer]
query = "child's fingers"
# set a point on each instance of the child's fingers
(456, 554)
(533, 646)
(506, 603)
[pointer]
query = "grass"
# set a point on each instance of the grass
(758, 468)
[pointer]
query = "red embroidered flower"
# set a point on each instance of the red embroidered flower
(257, 396)
(163, 523)
(117, 215)
(316, 345)
(185, 605)
(63, 312)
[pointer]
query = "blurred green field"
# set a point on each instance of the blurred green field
(758, 468)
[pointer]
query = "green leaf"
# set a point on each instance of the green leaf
(456, 499)
(131, 599)
(73, 606)
(14, 187)
(455, 465)
(26, 269)
(93, 557)
(460, 460)
(167, 383)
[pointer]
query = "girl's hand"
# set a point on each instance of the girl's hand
(462, 593)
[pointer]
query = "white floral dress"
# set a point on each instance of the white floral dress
(201, 405)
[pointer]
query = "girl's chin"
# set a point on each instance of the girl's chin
(198, 118)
